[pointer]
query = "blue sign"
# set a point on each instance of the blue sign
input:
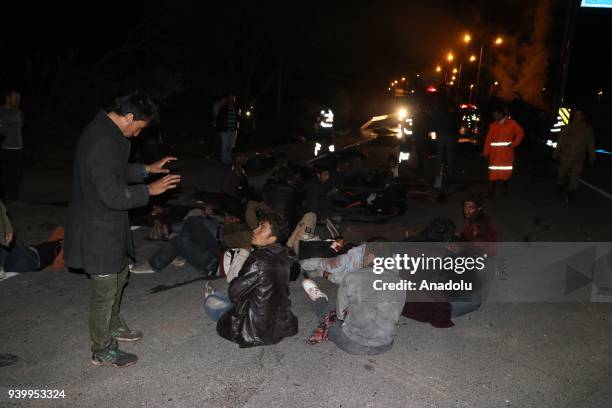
(597, 3)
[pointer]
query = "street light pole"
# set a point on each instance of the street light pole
(459, 93)
(478, 73)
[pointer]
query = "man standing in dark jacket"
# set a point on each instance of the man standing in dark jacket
(260, 310)
(98, 238)
(445, 122)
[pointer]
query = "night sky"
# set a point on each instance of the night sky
(188, 52)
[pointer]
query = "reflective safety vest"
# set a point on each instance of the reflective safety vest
(502, 139)
(327, 119)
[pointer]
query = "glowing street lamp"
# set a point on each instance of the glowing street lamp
(438, 69)
(451, 83)
(403, 78)
(499, 41)
(450, 57)
(496, 83)
(467, 38)
(454, 70)
(473, 58)
(453, 77)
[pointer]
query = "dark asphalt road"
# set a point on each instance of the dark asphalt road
(504, 355)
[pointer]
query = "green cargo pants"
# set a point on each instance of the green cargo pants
(570, 171)
(104, 305)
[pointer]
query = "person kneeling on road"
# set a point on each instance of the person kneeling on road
(256, 311)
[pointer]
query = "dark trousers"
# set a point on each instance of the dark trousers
(11, 167)
(195, 243)
(104, 306)
(446, 144)
(569, 173)
(19, 257)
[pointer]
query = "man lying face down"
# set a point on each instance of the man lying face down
(259, 309)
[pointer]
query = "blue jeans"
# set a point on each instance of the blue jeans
(228, 141)
(464, 305)
(195, 243)
(211, 223)
(19, 258)
(217, 304)
(446, 143)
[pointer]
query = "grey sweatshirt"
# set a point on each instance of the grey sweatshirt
(372, 315)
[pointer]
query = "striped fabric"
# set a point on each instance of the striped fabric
(232, 118)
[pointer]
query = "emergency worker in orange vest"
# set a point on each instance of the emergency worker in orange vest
(503, 137)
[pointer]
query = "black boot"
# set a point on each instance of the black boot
(560, 190)
(491, 192)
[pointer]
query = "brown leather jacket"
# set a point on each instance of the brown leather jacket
(262, 312)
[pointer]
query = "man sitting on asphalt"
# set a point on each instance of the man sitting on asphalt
(256, 311)
(195, 243)
(201, 238)
(15, 256)
(364, 320)
(316, 193)
(478, 227)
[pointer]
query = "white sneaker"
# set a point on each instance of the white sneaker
(312, 290)
(208, 290)
(142, 268)
(179, 261)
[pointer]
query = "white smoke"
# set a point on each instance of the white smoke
(521, 68)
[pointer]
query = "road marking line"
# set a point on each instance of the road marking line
(599, 190)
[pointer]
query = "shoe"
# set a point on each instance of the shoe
(560, 190)
(112, 356)
(179, 261)
(312, 290)
(208, 290)
(142, 268)
(124, 333)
